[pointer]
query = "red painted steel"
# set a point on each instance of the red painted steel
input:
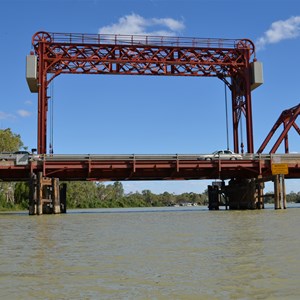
(145, 169)
(60, 53)
(287, 119)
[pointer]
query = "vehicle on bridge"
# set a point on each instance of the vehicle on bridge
(222, 154)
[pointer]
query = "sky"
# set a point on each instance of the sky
(149, 115)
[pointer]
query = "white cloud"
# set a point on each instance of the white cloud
(28, 102)
(24, 113)
(136, 24)
(6, 116)
(280, 30)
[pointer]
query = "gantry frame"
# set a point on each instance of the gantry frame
(61, 53)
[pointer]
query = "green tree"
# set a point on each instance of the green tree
(82, 194)
(165, 199)
(21, 194)
(148, 197)
(9, 141)
(135, 200)
(118, 190)
(293, 197)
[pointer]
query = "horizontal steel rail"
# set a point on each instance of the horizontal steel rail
(124, 39)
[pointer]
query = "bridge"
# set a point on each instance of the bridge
(231, 60)
(18, 167)
(245, 190)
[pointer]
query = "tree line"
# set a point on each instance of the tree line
(98, 195)
(14, 196)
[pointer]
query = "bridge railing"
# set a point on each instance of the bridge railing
(124, 39)
(275, 158)
(129, 157)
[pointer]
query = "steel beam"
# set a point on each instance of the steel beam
(288, 119)
(155, 168)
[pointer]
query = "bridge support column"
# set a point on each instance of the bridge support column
(242, 194)
(283, 192)
(63, 198)
(260, 193)
(55, 196)
(45, 196)
(213, 197)
(32, 195)
(40, 186)
(279, 192)
(238, 194)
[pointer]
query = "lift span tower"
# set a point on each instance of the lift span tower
(231, 60)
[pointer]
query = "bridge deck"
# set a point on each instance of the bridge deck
(143, 167)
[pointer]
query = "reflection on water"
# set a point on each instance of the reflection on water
(165, 253)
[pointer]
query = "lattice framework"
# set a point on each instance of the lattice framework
(144, 55)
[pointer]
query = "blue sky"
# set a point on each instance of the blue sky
(152, 115)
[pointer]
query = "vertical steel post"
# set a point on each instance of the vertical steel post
(241, 88)
(286, 139)
(235, 117)
(42, 102)
(249, 124)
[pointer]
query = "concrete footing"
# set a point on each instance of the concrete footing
(45, 195)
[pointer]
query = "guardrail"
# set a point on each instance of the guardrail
(276, 158)
(201, 156)
(124, 39)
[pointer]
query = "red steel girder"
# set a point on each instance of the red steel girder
(287, 119)
(60, 53)
(146, 169)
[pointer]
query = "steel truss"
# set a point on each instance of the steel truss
(59, 53)
(288, 119)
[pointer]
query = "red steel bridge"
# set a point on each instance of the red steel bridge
(19, 167)
(231, 60)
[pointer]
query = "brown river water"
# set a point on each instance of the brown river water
(161, 253)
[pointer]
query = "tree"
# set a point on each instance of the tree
(118, 189)
(148, 197)
(81, 194)
(9, 141)
(293, 197)
(21, 194)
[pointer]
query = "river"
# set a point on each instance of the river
(151, 253)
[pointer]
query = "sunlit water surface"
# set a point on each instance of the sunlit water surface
(161, 253)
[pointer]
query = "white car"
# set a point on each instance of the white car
(222, 154)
